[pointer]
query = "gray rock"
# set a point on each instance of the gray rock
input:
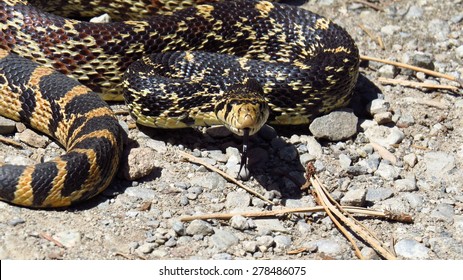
(405, 185)
(7, 126)
(458, 224)
(390, 29)
(282, 242)
(414, 12)
(443, 212)
(16, 221)
(269, 225)
(385, 136)
(146, 248)
(410, 160)
(179, 228)
(327, 246)
(199, 227)
(336, 126)
(344, 161)
(239, 222)
(267, 133)
(405, 120)
(414, 200)
(218, 156)
(423, 60)
(411, 249)
(354, 197)
(158, 146)
(33, 139)
(369, 254)
(439, 29)
(357, 170)
(306, 158)
(143, 193)
(222, 256)
(312, 145)
(250, 246)
(218, 131)
(68, 238)
(139, 163)
(266, 241)
(388, 71)
(438, 164)
(370, 164)
(387, 171)
(237, 199)
(383, 118)
(223, 239)
(459, 51)
(378, 194)
(208, 181)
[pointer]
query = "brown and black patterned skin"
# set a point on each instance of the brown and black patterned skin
(310, 67)
(69, 112)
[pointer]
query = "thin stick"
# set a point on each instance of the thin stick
(371, 5)
(227, 216)
(10, 142)
(415, 84)
(353, 224)
(372, 36)
(414, 68)
(223, 174)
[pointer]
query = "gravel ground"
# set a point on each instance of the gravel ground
(422, 129)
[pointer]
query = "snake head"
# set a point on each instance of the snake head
(243, 107)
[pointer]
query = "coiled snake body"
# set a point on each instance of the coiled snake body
(242, 63)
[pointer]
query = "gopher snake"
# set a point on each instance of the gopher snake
(287, 65)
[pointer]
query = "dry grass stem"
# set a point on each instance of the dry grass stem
(10, 142)
(416, 84)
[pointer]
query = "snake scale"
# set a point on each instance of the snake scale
(238, 63)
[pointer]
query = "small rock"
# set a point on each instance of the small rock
(423, 60)
(388, 71)
(179, 228)
(405, 120)
(443, 212)
(7, 126)
(378, 194)
(410, 160)
(336, 126)
(237, 199)
(369, 254)
(354, 197)
(414, 12)
(33, 139)
(139, 163)
(387, 171)
(267, 133)
(383, 118)
(158, 146)
(266, 241)
(250, 246)
(199, 227)
(377, 106)
(390, 29)
(405, 185)
(68, 238)
(223, 239)
(344, 161)
(384, 135)
(312, 145)
(218, 131)
(370, 164)
(306, 158)
(439, 29)
(146, 248)
(459, 51)
(222, 256)
(218, 156)
(327, 246)
(16, 221)
(139, 192)
(438, 164)
(411, 249)
(357, 170)
(239, 222)
(269, 225)
(282, 242)
(414, 200)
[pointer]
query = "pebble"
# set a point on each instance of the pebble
(336, 126)
(369, 254)
(139, 192)
(438, 164)
(377, 106)
(378, 194)
(269, 225)
(314, 148)
(265, 241)
(68, 238)
(385, 136)
(383, 118)
(16, 221)
(439, 29)
(222, 256)
(306, 158)
(239, 222)
(410, 160)
(388, 71)
(238, 199)
(423, 60)
(223, 239)
(458, 224)
(179, 228)
(411, 249)
(355, 197)
(250, 246)
(414, 200)
(327, 246)
(199, 227)
(33, 139)
(282, 242)
(344, 161)
(7, 126)
(370, 164)
(443, 212)
(158, 146)
(387, 171)
(146, 248)
(390, 29)
(139, 163)
(405, 185)
(218, 156)
(208, 181)
(414, 12)
(459, 51)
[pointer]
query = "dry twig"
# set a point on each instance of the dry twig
(10, 142)
(368, 4)
(415, 84)
(223, 174)
(51, 239)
